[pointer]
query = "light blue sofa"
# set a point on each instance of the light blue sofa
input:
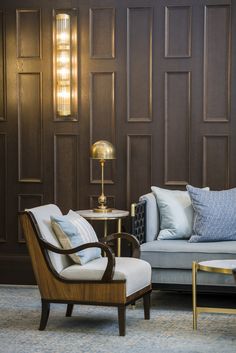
(171, 260)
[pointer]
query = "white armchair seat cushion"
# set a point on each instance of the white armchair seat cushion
(136, 272)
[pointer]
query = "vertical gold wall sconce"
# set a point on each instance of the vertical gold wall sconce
(65, 64)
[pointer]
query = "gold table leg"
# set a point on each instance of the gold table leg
(105, 228)
(194, 294)
(119, 239)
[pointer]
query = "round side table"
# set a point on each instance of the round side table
(227, 267)
(106, 217)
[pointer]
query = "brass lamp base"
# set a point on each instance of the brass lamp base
(102, 210)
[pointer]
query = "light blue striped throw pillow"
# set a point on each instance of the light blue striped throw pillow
(214, 215)
(73, 230)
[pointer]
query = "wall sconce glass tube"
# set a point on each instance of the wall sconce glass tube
(63, 73)
(65, 65)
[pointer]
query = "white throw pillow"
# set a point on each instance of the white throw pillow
(176, 213)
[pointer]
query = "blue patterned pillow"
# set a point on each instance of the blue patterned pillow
(214, 215)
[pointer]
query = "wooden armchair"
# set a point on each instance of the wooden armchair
(107, 281)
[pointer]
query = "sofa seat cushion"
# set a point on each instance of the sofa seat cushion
(180, 254)
(136, 272)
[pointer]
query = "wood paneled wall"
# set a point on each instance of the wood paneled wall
(156, 78)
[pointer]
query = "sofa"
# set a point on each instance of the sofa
(171, 260)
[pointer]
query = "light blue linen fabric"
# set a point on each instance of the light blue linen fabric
(214, 215)
(68, 234)
(176, 213)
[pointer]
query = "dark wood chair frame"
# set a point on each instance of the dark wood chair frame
(56, 289)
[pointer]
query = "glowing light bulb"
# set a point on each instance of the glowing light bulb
(63, 58)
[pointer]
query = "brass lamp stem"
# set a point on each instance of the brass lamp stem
(102, 161)
(102, 200)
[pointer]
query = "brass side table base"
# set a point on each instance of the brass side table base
(217, 266)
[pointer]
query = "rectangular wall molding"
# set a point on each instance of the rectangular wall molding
(102, 120)
(216, 157)
(26, 201)
(217, 57)
(177, 127)
(28, 33)
(178, 31)
(3, 180)
(30, 167)
(139, 64)
(102, 33)
(66, 171)
(139, 166)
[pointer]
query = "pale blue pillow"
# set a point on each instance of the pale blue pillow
(214, 215)
(176, 213)
(70, 236)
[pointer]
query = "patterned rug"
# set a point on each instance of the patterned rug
(95, 329)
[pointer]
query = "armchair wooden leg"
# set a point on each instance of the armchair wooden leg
(121, 319)
(146, 306)
(44, 314)
(69, 309)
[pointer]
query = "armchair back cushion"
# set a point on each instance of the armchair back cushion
(42, 216)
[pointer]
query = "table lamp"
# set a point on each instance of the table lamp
(102, 150)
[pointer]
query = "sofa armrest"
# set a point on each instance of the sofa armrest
(138, 221)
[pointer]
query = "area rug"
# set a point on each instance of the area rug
(95, 329)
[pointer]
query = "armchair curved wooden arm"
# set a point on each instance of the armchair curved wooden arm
(109, 271)
(129, 237)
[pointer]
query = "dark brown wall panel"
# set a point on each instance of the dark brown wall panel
(2, 62)
(178, 31)
(216, 161)
(177, 122)
(3, 166)
(30, 127)
(66, 171)
(139, 166)
(216, 94)
(102, 33)
(139, 64)
(27, 201)
(102, 119)
(28, 33)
